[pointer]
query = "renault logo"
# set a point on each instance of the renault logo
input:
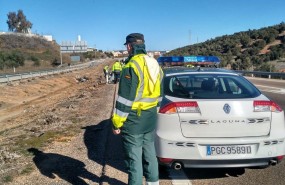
(227, 108)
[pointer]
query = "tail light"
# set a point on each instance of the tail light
(280, 158)
(266, 106)
(165, 160)
(180, 107)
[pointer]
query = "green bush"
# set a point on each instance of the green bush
(34, 59)
(10, 60)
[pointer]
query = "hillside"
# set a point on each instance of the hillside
(26, 51)
(262, 49)
(26, 43)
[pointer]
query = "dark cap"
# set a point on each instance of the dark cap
(135, 38)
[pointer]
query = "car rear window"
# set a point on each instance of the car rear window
(209, 86)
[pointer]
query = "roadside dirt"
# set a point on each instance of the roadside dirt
(50, 118)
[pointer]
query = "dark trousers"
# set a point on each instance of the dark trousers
(140, 157)
(116, 76)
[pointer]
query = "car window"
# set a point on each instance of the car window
(211, 86)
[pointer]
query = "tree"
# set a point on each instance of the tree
(10, 60)
(281, 27)
(18, 22)
(15, 59)
(245, 41)
(259, 44)
(12, 21)
(246, 63)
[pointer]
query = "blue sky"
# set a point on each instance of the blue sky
(166, 24)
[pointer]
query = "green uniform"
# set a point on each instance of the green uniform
(135, 114)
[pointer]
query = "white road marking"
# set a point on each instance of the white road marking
(178, 177)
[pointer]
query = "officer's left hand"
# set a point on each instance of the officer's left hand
(117, 131)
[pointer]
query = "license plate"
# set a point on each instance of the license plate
(229, 150)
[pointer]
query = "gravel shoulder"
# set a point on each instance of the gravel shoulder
(57, 130)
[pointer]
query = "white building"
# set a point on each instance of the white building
(47, 37)
(116, 53)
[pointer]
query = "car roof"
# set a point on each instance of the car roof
(168, 71)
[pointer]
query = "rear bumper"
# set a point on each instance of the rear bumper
(192, 153)
(223, 163)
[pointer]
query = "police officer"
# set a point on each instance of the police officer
(106, 73)
(116, 69)
(136, 111)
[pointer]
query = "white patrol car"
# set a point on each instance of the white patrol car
(215, 118)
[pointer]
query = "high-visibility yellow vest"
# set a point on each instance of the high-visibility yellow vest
(146, 96)
(117, 66)
(147, 92)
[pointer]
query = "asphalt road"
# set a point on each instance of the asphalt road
(273, 89)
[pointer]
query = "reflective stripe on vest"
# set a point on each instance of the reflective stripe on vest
(125, 101)
(141, 88)
(161, 76)
(121, 113)
(140, 91)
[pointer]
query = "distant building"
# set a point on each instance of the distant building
(154, 53)
(91, 49)
(163, 52)
(116, 53)
(48, 37)
(125, 53)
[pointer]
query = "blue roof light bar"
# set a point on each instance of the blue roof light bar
(181, 60)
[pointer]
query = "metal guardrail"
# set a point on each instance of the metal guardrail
(264, 74)
(13, 77)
